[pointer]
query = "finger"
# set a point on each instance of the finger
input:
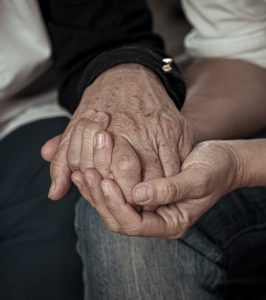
(152, 168)
(99, 122)
(93, 180)
(50, 147)
(128, 218)
(125, 166)
(60, 171)
(189, 184)
(131, 222)
(75, 143)
(169, 158)
(79, 180)
(102, 152)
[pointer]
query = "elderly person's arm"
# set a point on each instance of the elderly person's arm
(107, 49)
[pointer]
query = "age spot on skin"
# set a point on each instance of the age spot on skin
(148, 115)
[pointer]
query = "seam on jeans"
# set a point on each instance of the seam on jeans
(134, 270)
(223, 274)
(212, 258)
(242, 232)
(215, 255)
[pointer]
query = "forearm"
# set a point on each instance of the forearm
(225, 99)
(251, 157)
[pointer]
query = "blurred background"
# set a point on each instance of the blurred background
(170, 23)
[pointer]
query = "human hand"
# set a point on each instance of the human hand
(79, 132)
(142, 113)
(103, 154)
(211, 170)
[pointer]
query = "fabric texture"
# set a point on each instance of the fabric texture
(227, 29)
(221, 257)
(134, 268)
(81, 31)
(38, 256)
(173, 82)
(27, 89)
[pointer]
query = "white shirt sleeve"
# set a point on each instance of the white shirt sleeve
(227, 28)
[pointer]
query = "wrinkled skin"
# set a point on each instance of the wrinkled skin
(142, 117)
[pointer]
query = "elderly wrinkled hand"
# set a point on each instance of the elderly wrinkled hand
(141, 113)
(116, 160)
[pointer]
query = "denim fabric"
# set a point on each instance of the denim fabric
(221, 257)
(237, 226)
(38, 258)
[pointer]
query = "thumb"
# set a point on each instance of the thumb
(189, 184)
(50, 147)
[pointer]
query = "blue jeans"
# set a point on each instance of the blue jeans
(223, 256)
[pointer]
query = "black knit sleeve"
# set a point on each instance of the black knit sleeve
(90, 36)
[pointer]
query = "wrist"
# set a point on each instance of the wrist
(197, 131)
(143, 56)
(128, 86)
(241, 167)
(128, 72)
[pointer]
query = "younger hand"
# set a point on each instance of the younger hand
(210, 171)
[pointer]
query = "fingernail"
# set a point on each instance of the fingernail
(100, 140)
(143, 193)
(106, 188)
(52, 189)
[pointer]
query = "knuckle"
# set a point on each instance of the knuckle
(169, 192)
(74, 164)
(185, 221)
(92, 178)
(113, 227)
(92, 128)
(128, 163)
(101, 116)
(81, 123)
(73, 161)
(131, 230)
(83, 165)
(178, 220)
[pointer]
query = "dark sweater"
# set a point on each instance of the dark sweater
(90, 36)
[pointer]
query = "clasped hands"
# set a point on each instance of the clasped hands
(133, 157)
